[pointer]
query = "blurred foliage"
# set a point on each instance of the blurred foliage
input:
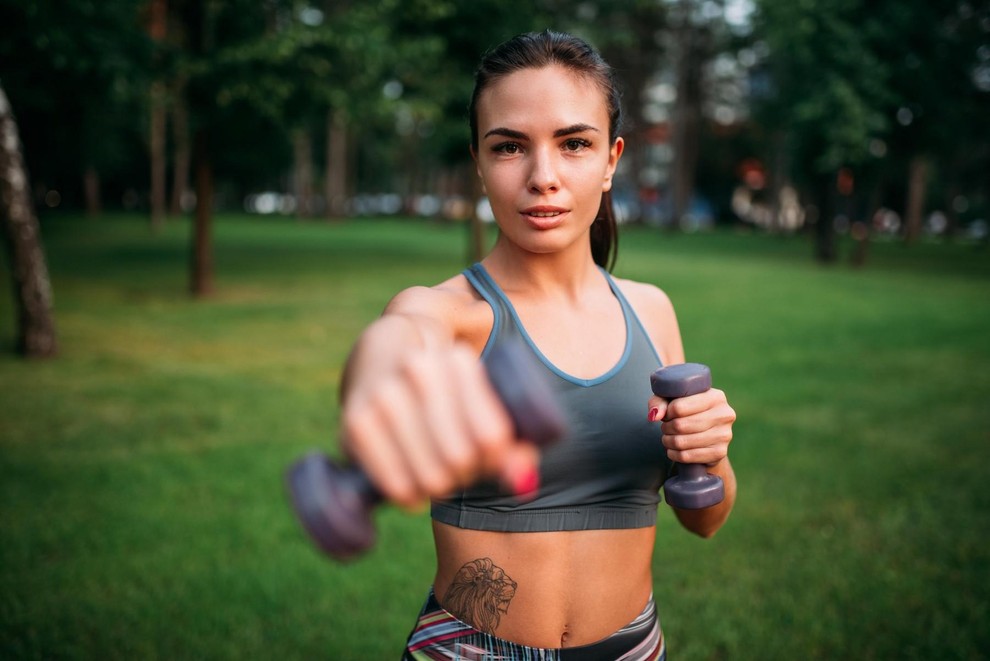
(836, 110)
(869, 84)
(77, 76)
(827, 85)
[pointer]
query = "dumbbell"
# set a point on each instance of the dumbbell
(334, 502)
(693, 488)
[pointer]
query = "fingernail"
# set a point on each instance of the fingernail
(527, 483)
(654, 414)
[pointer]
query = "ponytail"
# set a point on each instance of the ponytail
(605, 235)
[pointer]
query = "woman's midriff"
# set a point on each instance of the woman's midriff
(545, 589)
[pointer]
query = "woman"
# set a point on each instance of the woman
(537, 556)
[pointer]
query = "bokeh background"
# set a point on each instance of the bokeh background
(221, 194)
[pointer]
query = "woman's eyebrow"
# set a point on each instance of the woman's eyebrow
(508, 133)
(574, 128)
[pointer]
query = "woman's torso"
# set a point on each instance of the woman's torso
(562, 588)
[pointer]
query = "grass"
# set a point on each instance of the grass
(142, 513)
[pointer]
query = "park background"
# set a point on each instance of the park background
(220, 195)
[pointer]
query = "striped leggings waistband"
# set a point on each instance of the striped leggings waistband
(440, 635)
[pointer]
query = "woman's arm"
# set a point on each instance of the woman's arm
(409, 323)
(419, 414)
(696, 429)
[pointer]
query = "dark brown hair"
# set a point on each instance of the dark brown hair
(536, 50)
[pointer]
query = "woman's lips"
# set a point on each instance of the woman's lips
(543, 217)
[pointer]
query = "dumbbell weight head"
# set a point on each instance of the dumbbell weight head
(335, 503)
(693, 487)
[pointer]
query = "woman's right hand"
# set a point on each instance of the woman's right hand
(434, 424)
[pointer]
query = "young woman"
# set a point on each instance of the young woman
(538, 556)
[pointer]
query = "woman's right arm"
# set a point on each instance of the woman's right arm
(419, 414)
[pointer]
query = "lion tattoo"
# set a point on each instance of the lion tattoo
(479, 594)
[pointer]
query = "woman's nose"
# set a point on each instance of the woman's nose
(543, 173)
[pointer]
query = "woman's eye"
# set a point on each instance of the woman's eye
(576, 144)
(506, 148)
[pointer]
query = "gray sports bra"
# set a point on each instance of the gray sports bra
(608, 470)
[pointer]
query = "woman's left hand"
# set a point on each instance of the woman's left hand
(697, 429)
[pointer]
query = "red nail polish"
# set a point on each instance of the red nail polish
(527, 483)
(654, 414)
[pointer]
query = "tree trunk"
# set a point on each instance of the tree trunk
(336, 172)
(302, 173)
(91, 192)
(201, 276)
(826, 250)
(914, 208)
(183, 152)
(157, 28)
(157, 155)
(32, 285)
(197, 17)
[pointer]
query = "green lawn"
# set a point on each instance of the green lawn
(142, 513)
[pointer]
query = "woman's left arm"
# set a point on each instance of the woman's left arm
(696, 429)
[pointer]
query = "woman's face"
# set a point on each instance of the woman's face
(544, 156)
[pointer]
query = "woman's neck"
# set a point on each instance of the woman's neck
(562, 273)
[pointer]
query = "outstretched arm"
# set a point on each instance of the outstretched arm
(419, 414)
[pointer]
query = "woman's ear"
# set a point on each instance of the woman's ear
(614, 154)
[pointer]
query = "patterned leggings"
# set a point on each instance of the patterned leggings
(440, 635)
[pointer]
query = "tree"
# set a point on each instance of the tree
(937, 100)
(829, 86)
(157, 30)
(198, 21)
(32, 286)
(79, 73)
(889, 95)
(693, 32)
(278, 70)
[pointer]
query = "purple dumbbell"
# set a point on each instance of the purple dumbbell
(335, 502)
(693, 488)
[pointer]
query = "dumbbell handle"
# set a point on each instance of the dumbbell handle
(693, 487)
(334, 502)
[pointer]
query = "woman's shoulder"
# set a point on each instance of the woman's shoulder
(646, 298)
(655, 311)
(441, 300)
(453, 304)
